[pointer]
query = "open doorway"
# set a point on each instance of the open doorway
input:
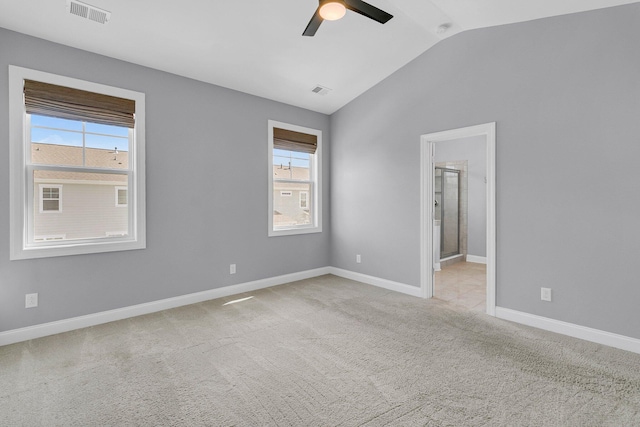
(460, 222)
(458, 216)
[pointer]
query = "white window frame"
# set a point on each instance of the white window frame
(22, 242)
(121, 205)
(315, 178)
(41, 188)
(306, 199)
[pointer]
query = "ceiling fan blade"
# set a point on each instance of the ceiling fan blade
(313, 25)
(367, 10)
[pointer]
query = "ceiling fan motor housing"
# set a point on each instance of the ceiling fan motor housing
(358, 6)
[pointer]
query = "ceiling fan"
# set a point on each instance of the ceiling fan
(332, 10)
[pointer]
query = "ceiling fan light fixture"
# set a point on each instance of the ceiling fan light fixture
(332, 10)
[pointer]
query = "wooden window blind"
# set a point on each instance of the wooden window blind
(294, 141)
(74, 104)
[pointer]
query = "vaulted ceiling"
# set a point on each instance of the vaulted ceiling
(256, 46)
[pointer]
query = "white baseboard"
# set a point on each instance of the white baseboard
(376, 281)
(436, 266)
(570, 329)
(45, 329)
(477, 259)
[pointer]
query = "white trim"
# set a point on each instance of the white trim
(21, 193)
(427, 215)
(570, 329)
(316, 183)
(427, 144)
(477, 259)
(60, 326)
(376, 281)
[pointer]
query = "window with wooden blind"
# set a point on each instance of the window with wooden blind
(295, 184)
(87, 139)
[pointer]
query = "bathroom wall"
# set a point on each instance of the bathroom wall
(473, 201)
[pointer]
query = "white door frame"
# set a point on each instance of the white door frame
(427, 164)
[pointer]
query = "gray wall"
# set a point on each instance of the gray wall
(565, 93)
(206, 195)
(473, 150)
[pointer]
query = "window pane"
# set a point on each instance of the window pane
(53, 122)
(107, 142)
(88, 209)
(286, 209)
(291, 165)
(48, 193)
(107, 129)
(107, 152)
(122, 197)
(50, 205)
(56, 147)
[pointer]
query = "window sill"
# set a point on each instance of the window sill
(294, 231)
(74, 249)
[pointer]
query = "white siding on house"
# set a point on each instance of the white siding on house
(88, 211)
(287, 210)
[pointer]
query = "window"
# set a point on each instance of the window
(295, 184)
(50, 198)
(121, 196)
(88, 140)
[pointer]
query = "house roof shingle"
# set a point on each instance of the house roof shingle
(53, 154)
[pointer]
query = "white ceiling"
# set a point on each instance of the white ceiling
(256, 46)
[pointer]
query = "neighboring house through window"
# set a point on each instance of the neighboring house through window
(88, 140)
(295, 183)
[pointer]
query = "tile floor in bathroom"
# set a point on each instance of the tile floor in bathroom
(462, 284)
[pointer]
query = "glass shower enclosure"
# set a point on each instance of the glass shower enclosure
(447, 210)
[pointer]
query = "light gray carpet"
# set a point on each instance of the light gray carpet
(320, 352)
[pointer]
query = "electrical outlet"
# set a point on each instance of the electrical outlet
(545, 294)
(30, 300)
(232, 269)
(358, 259)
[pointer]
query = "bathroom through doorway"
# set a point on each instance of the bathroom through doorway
(458, 208)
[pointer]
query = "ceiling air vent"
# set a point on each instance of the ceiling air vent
(87, 11)
(321, 90)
